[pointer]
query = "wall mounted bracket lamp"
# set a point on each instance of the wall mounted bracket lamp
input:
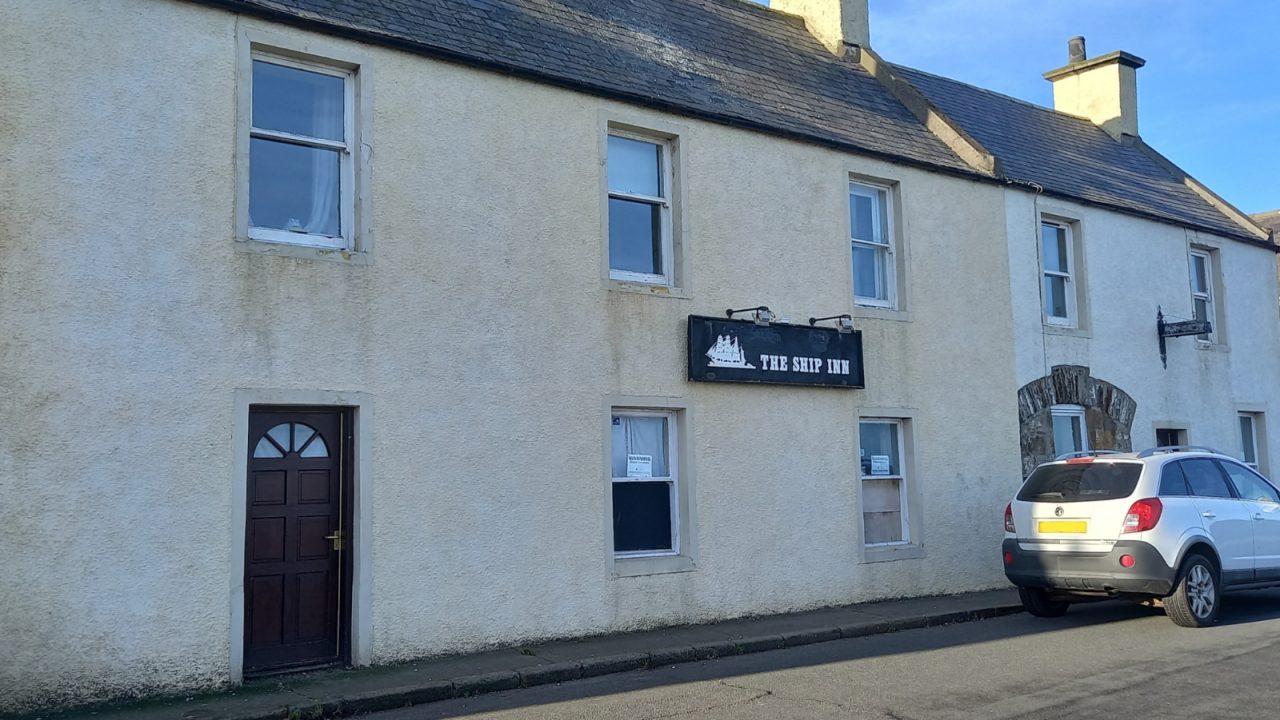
(844, 324)
(763, 316)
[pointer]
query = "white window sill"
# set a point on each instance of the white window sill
(633, 566)
(880, 313)
(641, 288)
(886, 553)
(1066, 330)
(306, 252)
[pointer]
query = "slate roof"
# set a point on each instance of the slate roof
(731, 60)
(736, 62)
(1070, 156)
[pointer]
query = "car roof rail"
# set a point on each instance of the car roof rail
(1086, 453)
(1176, 449)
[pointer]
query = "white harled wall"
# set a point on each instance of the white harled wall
(1131, 267)
(484, 334)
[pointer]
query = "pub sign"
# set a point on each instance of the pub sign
(723, 350)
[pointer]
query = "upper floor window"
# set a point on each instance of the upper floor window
(871, 234)
(301, 161)
(1202, 292)
(640, 207)
(1057, 258)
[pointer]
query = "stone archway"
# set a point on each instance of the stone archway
(1108, 410)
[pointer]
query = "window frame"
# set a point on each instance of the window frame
(888, 269)
(904, 499)
(1207, 295)
(1070, 291)
(665, 202)
(257, 41)
(1255, 419)
(1070, 411)
(681, 434)
(672, 479)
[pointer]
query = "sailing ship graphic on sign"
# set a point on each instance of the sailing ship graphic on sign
(727, 353)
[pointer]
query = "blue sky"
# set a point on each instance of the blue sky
(1208, 98)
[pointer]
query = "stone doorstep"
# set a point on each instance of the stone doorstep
(356, 701)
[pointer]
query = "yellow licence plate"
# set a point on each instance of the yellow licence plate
(1064, 526)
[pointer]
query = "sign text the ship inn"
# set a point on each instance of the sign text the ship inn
(723, 350)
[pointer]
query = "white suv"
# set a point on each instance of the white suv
(1177, 524)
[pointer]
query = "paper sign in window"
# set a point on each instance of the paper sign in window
(879, 464)
(640, 466)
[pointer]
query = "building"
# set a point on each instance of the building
(348, 332)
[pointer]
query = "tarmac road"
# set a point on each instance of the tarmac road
(1102, 660)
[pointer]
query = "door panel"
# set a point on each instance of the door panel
(295, 582)
(1227, 520)
(1263, 502)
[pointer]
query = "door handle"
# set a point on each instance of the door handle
(339, 540)
(1257, 516)
(1208, 514)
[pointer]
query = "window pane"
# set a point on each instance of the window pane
(1199, 274)
(864, 222)
(1063, 483)
(1205, 479)
(280, 434)
(869, 272)
(266, 450)
(641, 516)
(882, 527)
(1067, 434)
(635, 236)
(1248, 485)
(294, 188)
(1055, 296)
(1053, 240)
(640, 443)
(1247, 439)
(1172, 482)
(878, 446)
(317, 449)
(297, 101)
(635, 166)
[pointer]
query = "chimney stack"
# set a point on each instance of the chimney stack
(1104, 90)
(835, 23)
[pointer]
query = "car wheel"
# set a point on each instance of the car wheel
(1038, 603)
(1195, 599)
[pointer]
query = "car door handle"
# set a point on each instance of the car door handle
(1208, 514)
(1257, 516)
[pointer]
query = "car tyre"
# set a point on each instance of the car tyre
(1038, 603)
(1196, 597)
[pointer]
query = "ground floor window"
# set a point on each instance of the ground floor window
(1069, 432)
(1249, 423)
(645, 483)
(884, 480)
(1170, 437)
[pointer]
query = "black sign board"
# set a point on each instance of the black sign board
(723, 350)
(1188, 327)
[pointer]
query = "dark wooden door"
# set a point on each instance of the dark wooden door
(296, 540)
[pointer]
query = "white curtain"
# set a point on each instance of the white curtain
(636, 435)
(325, 172)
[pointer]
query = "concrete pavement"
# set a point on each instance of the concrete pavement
(348, 692)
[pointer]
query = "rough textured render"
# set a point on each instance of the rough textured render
(483, 331)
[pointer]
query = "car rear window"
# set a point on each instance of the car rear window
(1081, 482)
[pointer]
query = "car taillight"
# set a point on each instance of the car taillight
(1008, 519)
(1142, 516)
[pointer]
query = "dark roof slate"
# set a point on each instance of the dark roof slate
(1070, 156)
(729, 59)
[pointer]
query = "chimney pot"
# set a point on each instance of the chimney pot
(1075, 49)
